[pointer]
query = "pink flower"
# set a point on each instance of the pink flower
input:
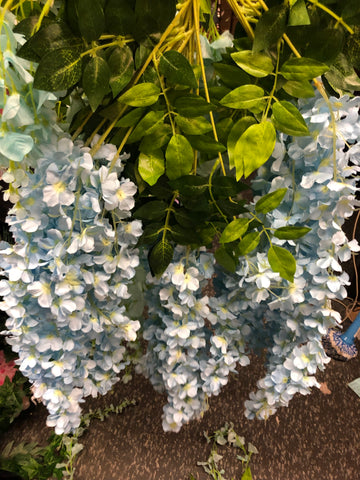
(7, 369)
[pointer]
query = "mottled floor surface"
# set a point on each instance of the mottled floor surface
(316, 438)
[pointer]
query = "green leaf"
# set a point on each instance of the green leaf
(225, 259)
(234, 230)
(160, 256)
(154, 15)
(131, 118)
(288, 119)
(190, 185)
(235, 133)
(302, 69)
(299, 88)
(249, 242)
(299, 14)
(227, 186)
(142, 95)
(156, 139)
(193, 126)
(151, 166)
(150, 234)
(95, 81)
(192, 106)
(205, 144)
(247, 474)
(121, 64)
(255, 64)
(177, 69)
(153, 210)
(254, 148)
(58, 70)
(231, 208)
(283, 262)
(291, 232)
(270, 201)
(185, 236)
(270, 27)
(91, 19)
(179, 157)
(230, 75)
(342, 76)
(248, 97)
(49, 38)
(119, 17)
(146, 125)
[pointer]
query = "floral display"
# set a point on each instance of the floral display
(178, 200)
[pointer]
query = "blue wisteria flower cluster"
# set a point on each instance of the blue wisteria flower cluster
(68, 275)
(194, 339)
(289, 319)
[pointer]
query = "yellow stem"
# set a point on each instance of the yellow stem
(332, 14)
(80, 128)
(196, 7)
(242, 19)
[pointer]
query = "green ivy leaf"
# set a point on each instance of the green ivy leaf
(160, 256)
(249, 97)
(249, 242)
(299, 88)
(299, 14)
(146, 125)
(95, 81)
(142, 95)
(177, 69)
(291, 232)
(205, 144)
(234, 230)
(153, 210)
(302, 69)
(254, 148)
(192, 106)
(193, 126)
(190, 185)
(235, 133)
(91, 19)
(179, 157)
(151, 166)
(255, 64)
(270, 27)
(58, 70)
(288, 119)
(270, 201)
(121, 64)
(282, 261)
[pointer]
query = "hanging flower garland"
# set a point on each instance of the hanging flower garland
(88, 219)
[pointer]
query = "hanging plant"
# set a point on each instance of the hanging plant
(153, 162)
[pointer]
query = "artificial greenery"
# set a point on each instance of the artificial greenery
(227, 436)
(178, 194)
(57, 459)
